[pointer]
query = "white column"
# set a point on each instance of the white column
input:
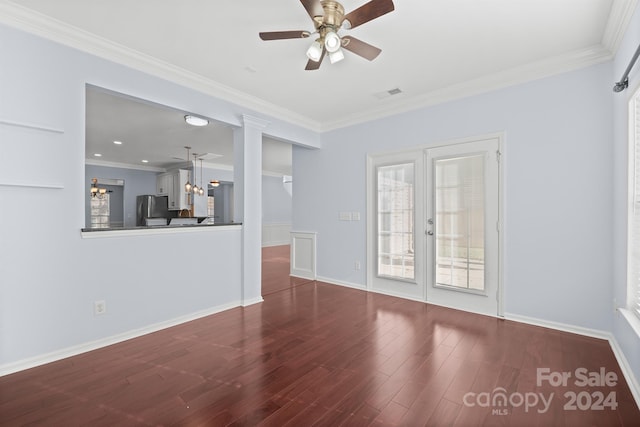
(247, 150)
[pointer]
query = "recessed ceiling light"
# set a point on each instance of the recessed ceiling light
(145, 161)
(117, 142)
(97, 155)
(196, 121)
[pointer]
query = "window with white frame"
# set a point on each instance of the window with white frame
(633, 252)
(395, 222)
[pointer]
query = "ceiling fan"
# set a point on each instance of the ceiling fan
(328, 18)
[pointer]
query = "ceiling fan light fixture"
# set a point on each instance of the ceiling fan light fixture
(332, 41)
(336, 56)
(196, 121)
(314, 52)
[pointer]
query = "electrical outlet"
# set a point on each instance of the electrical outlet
(356, 265)
(99, 307)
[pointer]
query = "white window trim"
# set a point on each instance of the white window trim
(630, 312)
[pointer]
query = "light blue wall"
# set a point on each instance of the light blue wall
(276, 201)
(49, 275)
(558, 180)
(625, 336)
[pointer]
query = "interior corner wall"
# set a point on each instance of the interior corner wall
(49, 274)
(276, 201)
(557, 179)
(625, 336)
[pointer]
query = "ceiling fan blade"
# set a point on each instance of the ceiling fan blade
(313, 65)
(369, 11)
(361, 48)
(281, 35)
(313, 7)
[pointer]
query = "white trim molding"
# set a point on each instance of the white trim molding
(625, 367)
(252, 301)
(303, 254)
(42, 25)
(104, 234)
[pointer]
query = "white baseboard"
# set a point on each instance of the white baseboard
(275, 243)
(32, 362)
(625, 367)
(247, 303)
(340, 283)
(594, 333)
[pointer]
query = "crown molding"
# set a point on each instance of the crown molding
(621, 13)
(33, 22)
(514, 76)
(107, 164)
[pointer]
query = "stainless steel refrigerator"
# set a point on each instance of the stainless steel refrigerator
(152, 207)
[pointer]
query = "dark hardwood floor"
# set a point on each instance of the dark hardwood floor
(318, 354)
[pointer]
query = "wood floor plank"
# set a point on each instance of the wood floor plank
(319, 354)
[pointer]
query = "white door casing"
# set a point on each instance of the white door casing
(423, 286)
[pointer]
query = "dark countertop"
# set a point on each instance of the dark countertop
(155, 227)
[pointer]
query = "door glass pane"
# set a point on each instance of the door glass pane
(459, 222)
(395, 221)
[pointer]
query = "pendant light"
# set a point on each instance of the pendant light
(196, 190)
(201, 192)
(187, 186)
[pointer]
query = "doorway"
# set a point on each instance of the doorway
(433, 219)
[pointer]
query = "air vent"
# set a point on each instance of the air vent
(388, 93)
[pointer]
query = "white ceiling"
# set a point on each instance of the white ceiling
(432, 50)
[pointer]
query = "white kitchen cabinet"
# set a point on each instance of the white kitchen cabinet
(163, 181)
(178, 198)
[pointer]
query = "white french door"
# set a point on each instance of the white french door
(462, 226)
(433, 220)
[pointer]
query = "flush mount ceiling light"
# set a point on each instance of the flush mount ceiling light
(328, 18)
(214, 183)
(196, 121)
